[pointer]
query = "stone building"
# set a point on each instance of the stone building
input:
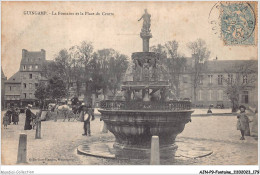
(20, 88)
(214, 78)
(3, 79)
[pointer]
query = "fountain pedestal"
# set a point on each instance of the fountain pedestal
(145, 110)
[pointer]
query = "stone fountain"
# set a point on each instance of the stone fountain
(145, 110)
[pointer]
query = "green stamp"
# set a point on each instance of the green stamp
(238, 23)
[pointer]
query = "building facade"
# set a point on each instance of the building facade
(20, 88)
(3, 79)
(215, 77)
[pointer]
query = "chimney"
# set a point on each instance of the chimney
(24, 52)
(43, 54)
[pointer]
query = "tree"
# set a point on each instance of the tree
(41, 93)
(240, 77)
(63, 66)
(200, 54)
(173, 63)
(117, 68)
(110, 67)
(86, 54)
(56, 88)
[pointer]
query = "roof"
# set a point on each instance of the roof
(226, 65)
(35, 57)
(218, 66)
(16, 78)
(2, 74)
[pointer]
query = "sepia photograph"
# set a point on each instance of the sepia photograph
(130, 83)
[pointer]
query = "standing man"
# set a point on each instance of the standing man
(87, 116)
(86, 119)
(28, 118)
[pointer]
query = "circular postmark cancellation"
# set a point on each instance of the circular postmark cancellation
(234, 22)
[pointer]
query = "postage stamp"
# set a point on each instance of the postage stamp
(238, 23)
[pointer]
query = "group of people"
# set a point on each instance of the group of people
(11, 115)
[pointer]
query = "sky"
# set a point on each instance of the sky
(180, 21)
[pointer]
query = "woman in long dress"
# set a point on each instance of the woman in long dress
(243, 123)
(28, 118)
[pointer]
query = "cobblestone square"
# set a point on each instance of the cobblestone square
(61, 139)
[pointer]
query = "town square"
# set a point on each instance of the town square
(104, 87)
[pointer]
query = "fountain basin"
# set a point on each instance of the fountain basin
(134, 128)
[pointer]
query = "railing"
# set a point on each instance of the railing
(141, 105)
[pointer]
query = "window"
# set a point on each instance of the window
(245, 97)
(185, 79)
(220, 79)
(220, 95)
(201, 79)
(30, 85)
(210, 79)
(24, 85)
(200, 95)
(24, 95)
(30, 76)
(30, 95)
(30, 67)
(245, 79)
(36, 66)
(36, 85)
(10, 88)
(210, 95)
(230, 78)
(24, 67)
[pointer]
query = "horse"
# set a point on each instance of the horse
(67, 112)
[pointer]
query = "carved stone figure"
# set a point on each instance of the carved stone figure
(147, 21)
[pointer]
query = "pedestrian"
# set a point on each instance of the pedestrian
(209, 111)
(82, 110)
(9, 116)
(87, 117)
(5, 120)
(28, 119)
(243, 122)
(15, 116)
(254, 125)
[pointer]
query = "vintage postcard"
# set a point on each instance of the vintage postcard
(130, 83)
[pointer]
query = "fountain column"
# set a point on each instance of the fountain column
(146, 37)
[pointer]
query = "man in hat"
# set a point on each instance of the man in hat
(28, 118)
(86, 119)
(243, 122)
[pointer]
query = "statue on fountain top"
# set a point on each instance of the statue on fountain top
(146, 23)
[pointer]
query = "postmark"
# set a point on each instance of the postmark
(234, 22)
